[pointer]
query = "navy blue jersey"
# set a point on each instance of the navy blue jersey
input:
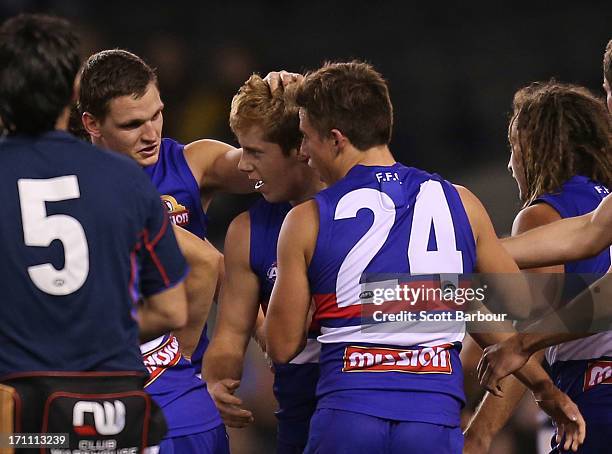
(582, 368)
(83, 234)
(294, 383)
(388, 220)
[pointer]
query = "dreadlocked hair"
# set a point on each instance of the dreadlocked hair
(563, 130)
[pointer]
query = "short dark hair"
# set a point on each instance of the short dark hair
(39, 61)
(351, 97)
(110, 74)
(607, 63)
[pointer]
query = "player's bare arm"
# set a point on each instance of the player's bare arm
(500, 360)
(287, 316)
(493, 412)
(236, 316)
(201, 281)
(492, 258)
(214, 165)
(583, 237)
(162, 312)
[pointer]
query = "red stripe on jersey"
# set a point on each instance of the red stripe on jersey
(151, 248)
(413, 296)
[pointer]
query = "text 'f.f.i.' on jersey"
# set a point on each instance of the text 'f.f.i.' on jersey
(391, 220)
(174, 383)
(83, 236)
(583, 368)
(294, 383)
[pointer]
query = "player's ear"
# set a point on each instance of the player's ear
(91, 124)
(339, 140)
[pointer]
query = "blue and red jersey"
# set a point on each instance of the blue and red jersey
(173, 383)
(582, 368)
(294, 383)
(388, 221)
(83, 235)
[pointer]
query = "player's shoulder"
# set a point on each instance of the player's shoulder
(241, 224)
(238, 235)
(534, 216)
(206, 148)
(306, 215)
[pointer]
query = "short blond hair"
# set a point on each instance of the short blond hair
(275, 112)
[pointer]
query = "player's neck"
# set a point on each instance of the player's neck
(310, 184)
(61, 123)
(350, 157)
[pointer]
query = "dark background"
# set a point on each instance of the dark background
(452, 72)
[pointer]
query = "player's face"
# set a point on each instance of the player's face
(515, 165)
(274, 174)
(319, 150)
(133, 126)
(608, 89)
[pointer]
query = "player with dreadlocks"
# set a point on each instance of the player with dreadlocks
(561, 158)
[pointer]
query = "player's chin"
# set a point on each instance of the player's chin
(147, 160)
(271, 197)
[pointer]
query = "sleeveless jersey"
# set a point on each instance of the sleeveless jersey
(84, 235)
(180, 193)
(174, 384)
(581, 368)
(382, 220)
(294, 383)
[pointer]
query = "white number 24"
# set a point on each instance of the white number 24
(431, 208)
(40, 230)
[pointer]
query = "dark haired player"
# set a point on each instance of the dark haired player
(84, 233)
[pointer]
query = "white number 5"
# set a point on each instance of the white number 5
(40, 230)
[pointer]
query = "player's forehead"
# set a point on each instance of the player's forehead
(130, 107)
(254, 136)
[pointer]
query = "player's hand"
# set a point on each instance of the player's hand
(499, 361)
(282, 79)
(229, 405)
(571, 428)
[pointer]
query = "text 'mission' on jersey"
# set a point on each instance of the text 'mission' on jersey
(388, 220)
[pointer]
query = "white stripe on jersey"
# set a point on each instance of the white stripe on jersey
(151, 345)
(591, 347)
(402, 334)
(310, 354)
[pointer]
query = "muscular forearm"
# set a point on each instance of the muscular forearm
(586, 314)
(201, 282)
(582, 237)
(492, 415)
(223, 361)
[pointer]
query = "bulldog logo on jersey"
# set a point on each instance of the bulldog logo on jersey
(179, 214)
(271, 273)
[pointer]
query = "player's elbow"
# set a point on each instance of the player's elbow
(281, 350)
(172, 307)
(279, 354)
(205, 260)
